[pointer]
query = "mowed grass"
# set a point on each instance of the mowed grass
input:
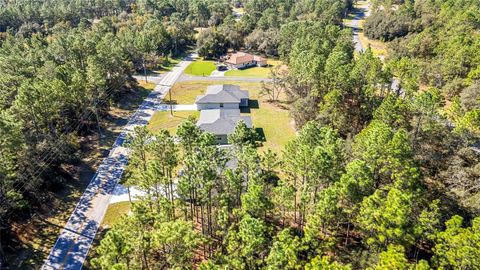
(272, 120)
(114, 212)
(200, 68)
(163, 120)
(185, 93)
(254, 72)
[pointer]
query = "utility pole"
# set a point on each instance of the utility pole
(171, 105)
(144, 69)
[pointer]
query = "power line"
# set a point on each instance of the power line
(48, 157)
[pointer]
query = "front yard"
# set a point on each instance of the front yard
(163, 120)
(254, 72)
(200, 68)
(271, 120)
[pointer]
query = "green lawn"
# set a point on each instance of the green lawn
(272, 120)
(163, 120)
(185, 93)
(200, 68)
(274, 123)
(254, 72)
(114, 212)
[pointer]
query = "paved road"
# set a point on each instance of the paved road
(74, 241)
(360, 13)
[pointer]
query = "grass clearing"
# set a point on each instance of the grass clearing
(163, 120)
(274, 123)
(379, 48)
(272, 120)
(200, 68)
(253, 72)
(114, 212)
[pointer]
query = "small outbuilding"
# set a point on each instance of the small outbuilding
(222, 96)
(221, 122)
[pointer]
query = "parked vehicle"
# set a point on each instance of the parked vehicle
(222, 68)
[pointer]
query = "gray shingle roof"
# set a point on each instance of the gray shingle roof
(221, 121)
(222, 93)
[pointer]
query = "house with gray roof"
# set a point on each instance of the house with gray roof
(221, 122)
(222, 96)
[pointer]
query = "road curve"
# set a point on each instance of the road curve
(75, 240)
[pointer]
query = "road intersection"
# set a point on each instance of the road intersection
(75, 240)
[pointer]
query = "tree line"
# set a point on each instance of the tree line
(259, 29)
(436, 48)
(63, 64)
(321, 203)
(382, 174)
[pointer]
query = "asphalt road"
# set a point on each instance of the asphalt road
(360, 13)
(75, 240)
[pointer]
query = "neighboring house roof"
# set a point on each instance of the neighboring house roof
(241, 57)
(222, 93)
(258, 58)
(221, 121)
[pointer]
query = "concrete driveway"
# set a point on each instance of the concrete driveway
(177, 107)
(218, 73)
